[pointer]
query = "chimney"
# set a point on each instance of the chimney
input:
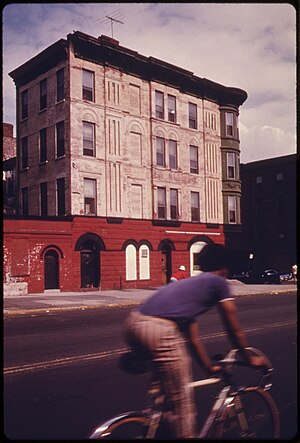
(108, 40)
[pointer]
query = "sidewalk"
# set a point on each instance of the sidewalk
(56, 300)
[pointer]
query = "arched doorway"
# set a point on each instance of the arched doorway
(89, 245)
(89, 265)
(166, 247)
(195, 246)
(51, 270)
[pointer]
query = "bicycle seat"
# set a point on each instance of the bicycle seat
(134, 362)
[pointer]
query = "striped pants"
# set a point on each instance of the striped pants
(172, 363)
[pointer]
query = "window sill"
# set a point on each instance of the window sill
(43, 110)
(60, 157)
(43, 163)
(60, 101)
(24, 169)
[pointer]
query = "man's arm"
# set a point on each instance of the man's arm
(228, 312)
(198, 348)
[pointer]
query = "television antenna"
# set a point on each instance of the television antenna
(112, 20)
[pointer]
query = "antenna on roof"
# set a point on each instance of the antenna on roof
(112, 20)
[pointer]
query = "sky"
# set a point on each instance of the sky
(251, 46)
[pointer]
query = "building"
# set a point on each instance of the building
(9, 185)
(269, 217)
(129, 147)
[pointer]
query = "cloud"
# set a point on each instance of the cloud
(247, 45)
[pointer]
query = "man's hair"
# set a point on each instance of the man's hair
(213, 257)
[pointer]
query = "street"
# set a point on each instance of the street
(61, 368)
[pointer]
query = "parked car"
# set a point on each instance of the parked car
(268, 276)
(271, 276)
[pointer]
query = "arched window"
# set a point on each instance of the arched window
(130, 262)
(144, 261)
(194, 252)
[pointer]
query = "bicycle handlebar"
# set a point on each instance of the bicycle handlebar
(232, 359)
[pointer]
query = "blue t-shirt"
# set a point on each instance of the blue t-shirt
(184, 300)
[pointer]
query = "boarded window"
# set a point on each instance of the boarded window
(144, 259)
(135, 154)
(130, 262)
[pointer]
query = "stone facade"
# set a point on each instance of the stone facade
(127, 142)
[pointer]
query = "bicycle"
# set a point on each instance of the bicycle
(238, 412)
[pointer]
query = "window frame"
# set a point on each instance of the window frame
(43, 145)
(88, 92)
(43, 199)
(232, 209)
(86, 149)
(160, 152)
(159, 107)
(43, 94)
(193, 170)
(171, 109)
(195, 210)
(90, 200)
(61, 196)
(192, 118)
(231, 165)
(173, 164)
(229, 123)
(60, 85)
(24, 104)
(24, 152)
(174, 207)
(60, 138)
(161, 206)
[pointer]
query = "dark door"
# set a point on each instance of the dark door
(51, 270)
(90, 275)
(166, 265)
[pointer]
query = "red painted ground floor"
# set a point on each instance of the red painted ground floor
(81, 253)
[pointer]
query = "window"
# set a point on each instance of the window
(24, 153)
(44, 198)
(229, 123)
(161, 202)
(194, 166)
(88, 85)
(61, 203)
(43, 94)
(43, 145)
(25, 201)
(192, 116)
(60, 85)
(171, 108)
(279, 176)
(172, 154)
(144, 262)
(89, 196)
(135, 98)
(24, 104)
(89, 139)
(60, 139)
(130, 262)
(159, 104)
(232, 209)
(160, 151)
(195, 212)
(259, 180)
(174, 204)
(231, 165)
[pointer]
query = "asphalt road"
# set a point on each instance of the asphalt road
(61, 375)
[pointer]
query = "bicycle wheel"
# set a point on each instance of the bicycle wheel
(251, 415)
(131, 427)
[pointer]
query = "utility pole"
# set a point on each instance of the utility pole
(112, 24)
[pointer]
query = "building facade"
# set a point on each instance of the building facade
(9, 183)
(269, 214)
(106, 136)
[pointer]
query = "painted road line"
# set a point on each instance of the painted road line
(59, 362)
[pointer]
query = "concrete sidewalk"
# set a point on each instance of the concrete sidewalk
(55, 300)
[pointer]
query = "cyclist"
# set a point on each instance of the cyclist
(166, 323)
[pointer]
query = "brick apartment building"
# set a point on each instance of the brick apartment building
(127, 166)
(269, 215)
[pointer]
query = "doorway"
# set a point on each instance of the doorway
(51, 270)
(166, 264)
(89, 265)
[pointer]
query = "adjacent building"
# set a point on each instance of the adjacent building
(9, 184)
(269, 215)
(127, 165)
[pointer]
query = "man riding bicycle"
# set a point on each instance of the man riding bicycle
(164, 325)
